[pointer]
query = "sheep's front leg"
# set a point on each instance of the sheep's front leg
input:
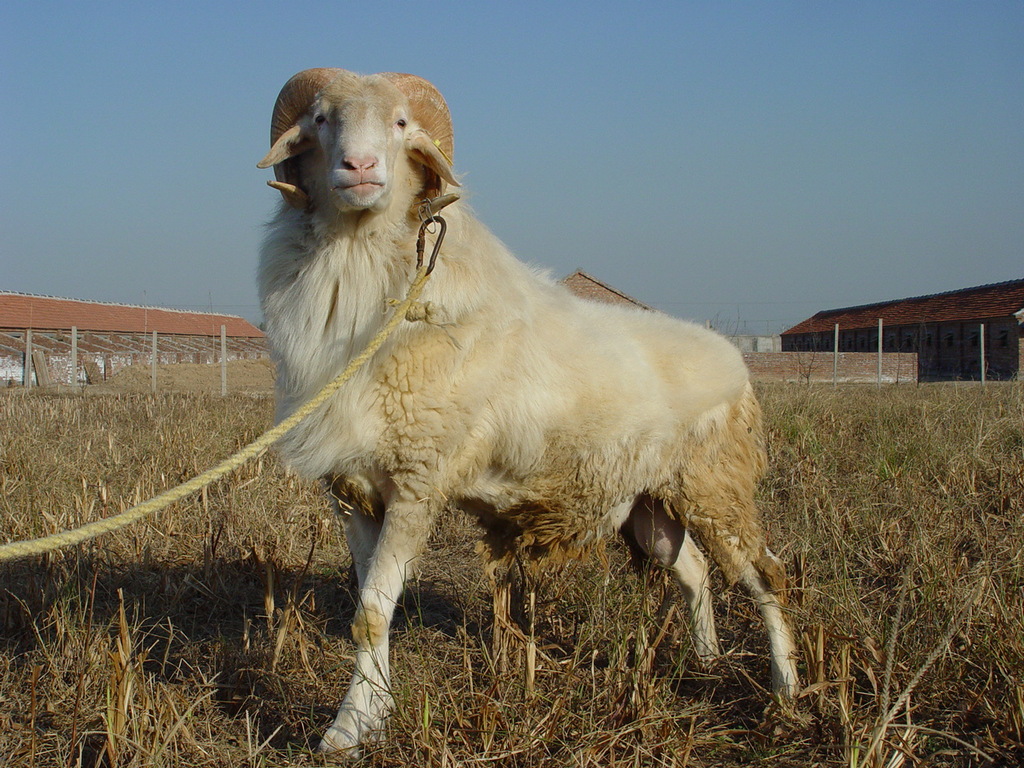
(361, 509)
(362, 533)
(402, 538)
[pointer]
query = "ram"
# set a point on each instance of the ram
(555, 421)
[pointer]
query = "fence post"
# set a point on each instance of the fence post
(152, 365)
(26, 374)
(835, 356)
(74, 356)
(40, 367)
(223, 361)
(879, 352)
(981, 342)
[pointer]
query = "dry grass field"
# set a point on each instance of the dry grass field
(215, 633)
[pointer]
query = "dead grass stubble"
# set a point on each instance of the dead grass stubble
(216, 632)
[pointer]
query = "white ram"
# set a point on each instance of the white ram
(554, 420)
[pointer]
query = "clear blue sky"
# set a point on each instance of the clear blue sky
(745, 162)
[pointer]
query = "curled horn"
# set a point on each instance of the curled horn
(292, 102)
(428, 109)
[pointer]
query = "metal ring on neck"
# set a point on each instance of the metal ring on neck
(421, 241)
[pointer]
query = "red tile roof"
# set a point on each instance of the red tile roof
(588, 287)
(982, 302)
(21, 310)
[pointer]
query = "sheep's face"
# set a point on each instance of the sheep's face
(358, 148)
(359, 133)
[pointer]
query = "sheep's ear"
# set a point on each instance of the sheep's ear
(428, 153)
(291, 143)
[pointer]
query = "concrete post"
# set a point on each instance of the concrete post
(981, 348)
(74, 356)
(26, 374)
(152, 366)
(835, 356)
(879, 352)
(223, 362)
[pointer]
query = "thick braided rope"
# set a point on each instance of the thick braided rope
(90, 530)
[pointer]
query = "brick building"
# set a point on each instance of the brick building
(944, 329)
(588, 287)
(110, 337)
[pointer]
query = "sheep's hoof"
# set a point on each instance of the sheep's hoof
(785, 687)
(707, 653)
(349, 732)
(340, 743)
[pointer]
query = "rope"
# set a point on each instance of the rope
(54, 541)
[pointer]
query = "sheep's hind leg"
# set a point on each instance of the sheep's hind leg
(785, 681)
(762, 575)
(668, 543)
(402, 537)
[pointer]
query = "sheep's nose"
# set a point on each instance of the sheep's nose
(360, 163)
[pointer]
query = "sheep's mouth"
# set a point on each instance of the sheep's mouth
(362, 194)
(360, 189)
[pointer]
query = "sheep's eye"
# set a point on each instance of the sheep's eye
(320, 119)
(400, 122)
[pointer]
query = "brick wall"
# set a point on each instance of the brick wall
(817, 366)
(947, 351)
(104, 354)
